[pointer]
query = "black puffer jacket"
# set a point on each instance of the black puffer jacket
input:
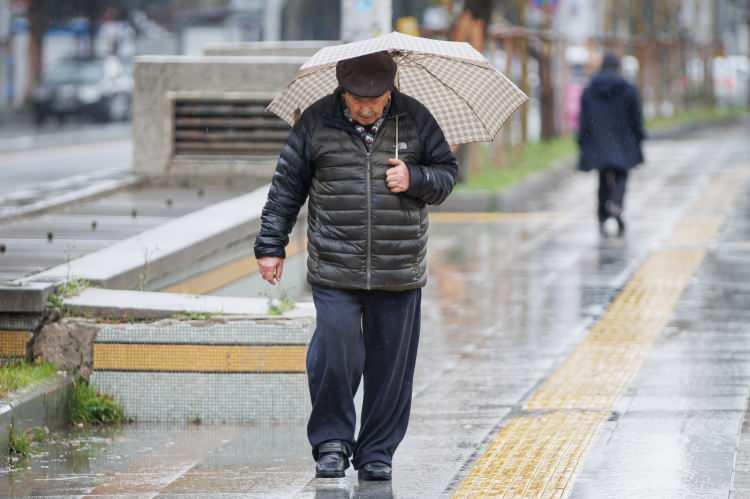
(360, 235)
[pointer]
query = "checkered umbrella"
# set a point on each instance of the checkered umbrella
(469, 98)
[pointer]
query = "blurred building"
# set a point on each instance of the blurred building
(5, 50)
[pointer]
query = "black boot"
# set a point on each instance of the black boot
(332, 460)
(620, 226)
(375, 471)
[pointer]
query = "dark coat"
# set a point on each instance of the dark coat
(610, 128)
(360, 235)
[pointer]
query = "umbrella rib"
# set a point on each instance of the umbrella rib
(466, 101)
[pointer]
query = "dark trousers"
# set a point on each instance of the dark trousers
(612, 184)
(362, 333)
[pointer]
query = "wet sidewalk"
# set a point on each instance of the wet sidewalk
(552, 363)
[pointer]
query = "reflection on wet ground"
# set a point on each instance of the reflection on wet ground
(509, 297)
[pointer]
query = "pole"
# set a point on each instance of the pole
(524, 72)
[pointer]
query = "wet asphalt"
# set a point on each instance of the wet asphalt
(509, 297)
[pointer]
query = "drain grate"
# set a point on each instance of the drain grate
(227, 127)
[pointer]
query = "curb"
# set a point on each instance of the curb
(169, 247)
(78, 135)
(41, 405)
(71, 198)
(682, 131)
(513, 198)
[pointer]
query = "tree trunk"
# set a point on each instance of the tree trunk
(748, 52)
(547, 98)
(472, 30)
(545, 60)
(708, 77)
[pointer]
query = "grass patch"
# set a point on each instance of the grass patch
(280, 306)
(535, 156)
(19, 443)
(56, 300)
(19, 374)
(540, 155)
(696, 115)
(89, 407)
(193, 316)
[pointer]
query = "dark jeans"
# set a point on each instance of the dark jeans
(362, 333)
(612, 184)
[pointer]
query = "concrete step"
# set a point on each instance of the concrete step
(215, 370)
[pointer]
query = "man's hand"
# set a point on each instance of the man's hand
(397, 177)
(271, 268)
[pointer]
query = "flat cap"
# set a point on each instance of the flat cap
(368, 75)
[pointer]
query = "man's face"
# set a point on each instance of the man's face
(366, 110)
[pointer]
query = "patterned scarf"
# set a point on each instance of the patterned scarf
(367, 132)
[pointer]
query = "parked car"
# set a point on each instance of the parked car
(99, 89)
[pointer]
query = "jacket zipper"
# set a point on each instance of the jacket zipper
(368, 154)
(375, 144)
(369, 221)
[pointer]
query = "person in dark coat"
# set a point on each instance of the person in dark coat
(609, 135)
(367, 241)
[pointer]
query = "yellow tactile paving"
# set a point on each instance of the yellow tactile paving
(199, 358)
(13, 343)
(603, 364)
(532, 456)
(536, 454)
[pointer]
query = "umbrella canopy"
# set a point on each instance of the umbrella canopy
(468, 97)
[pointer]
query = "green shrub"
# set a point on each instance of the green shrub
(89, 407)
(282, 305)
(19, 444)
(56, 300)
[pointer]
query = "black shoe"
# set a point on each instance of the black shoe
(332, 460)
(375, 471)
(620, 226)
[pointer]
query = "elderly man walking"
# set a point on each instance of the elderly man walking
(610, 133)
(370, 159)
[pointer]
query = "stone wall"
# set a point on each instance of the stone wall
(68, 344)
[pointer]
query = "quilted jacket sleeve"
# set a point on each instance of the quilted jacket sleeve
(433, 179)
(288, 192)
